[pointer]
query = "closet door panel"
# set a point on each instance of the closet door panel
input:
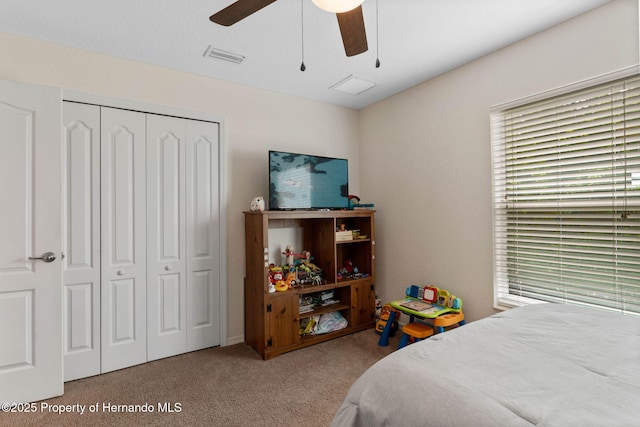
(166, 239)
(201, 288)
(123, 191)
(203, 231)
(81, 240)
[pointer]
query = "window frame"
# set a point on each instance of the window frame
(502, 299)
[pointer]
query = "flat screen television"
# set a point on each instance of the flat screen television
(303, 181)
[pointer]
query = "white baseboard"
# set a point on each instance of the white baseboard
(239, 339)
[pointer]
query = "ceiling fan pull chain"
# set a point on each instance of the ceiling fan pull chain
(302, 66)
(377, 39)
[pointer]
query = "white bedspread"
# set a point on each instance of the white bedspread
(544, 364)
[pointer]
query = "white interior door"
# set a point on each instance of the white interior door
(123, 219)
(203, 235)
(166, 237)
(30, 226)
(81, 240)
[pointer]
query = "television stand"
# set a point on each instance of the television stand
(273, 320)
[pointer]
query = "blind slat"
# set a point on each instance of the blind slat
(567, 198)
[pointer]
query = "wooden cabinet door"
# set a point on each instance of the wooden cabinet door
(362, 304)
(282, 324)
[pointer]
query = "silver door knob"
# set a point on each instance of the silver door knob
(46, 257)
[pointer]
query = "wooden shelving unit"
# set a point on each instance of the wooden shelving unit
(272, 320)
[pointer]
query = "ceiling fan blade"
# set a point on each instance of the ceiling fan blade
(354, 36)
(238, 10)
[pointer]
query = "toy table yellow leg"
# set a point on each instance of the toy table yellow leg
(384, 337)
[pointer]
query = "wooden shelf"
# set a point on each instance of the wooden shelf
(272, 320)
(307, 340)
(325, 309)
(308, 289)
(346, 242)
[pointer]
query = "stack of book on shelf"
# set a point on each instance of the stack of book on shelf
(305, 309)
(305, 304)
(327, 298)
(344, 236)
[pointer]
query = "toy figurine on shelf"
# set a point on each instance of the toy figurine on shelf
(347, 266)
(289, 254)
(292, 258)
(316, 279)
(349, 271)
(257, 204)
(311, 266)
(307, 276)
(299, 270)
(276, 278)
(291, 279)
(354, 203)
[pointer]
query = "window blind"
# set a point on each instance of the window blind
(566, 188)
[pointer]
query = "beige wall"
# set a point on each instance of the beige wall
(435, 213)
(255, 121)
(434, 202)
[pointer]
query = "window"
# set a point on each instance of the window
(566, 192)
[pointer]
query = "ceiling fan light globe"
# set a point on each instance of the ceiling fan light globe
(337, 6)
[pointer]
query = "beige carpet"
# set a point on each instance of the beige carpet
(229, 386)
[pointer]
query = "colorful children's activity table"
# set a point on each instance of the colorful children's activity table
(428, 302)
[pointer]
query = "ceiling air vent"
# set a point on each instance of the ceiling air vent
(223, 55)
(353, 85)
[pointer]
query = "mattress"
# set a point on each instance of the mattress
(542, 364)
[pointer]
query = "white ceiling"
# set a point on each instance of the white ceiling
(417, 39)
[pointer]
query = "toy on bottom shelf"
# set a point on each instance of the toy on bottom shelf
(323, 323)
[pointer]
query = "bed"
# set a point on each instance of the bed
(543, 364)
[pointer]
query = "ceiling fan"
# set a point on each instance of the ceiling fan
(348, 12)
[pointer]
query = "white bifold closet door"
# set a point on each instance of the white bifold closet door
(123, 238)
(166, 243)
(203, 235)
(142, 238)
(81, 240)
(183, 237)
